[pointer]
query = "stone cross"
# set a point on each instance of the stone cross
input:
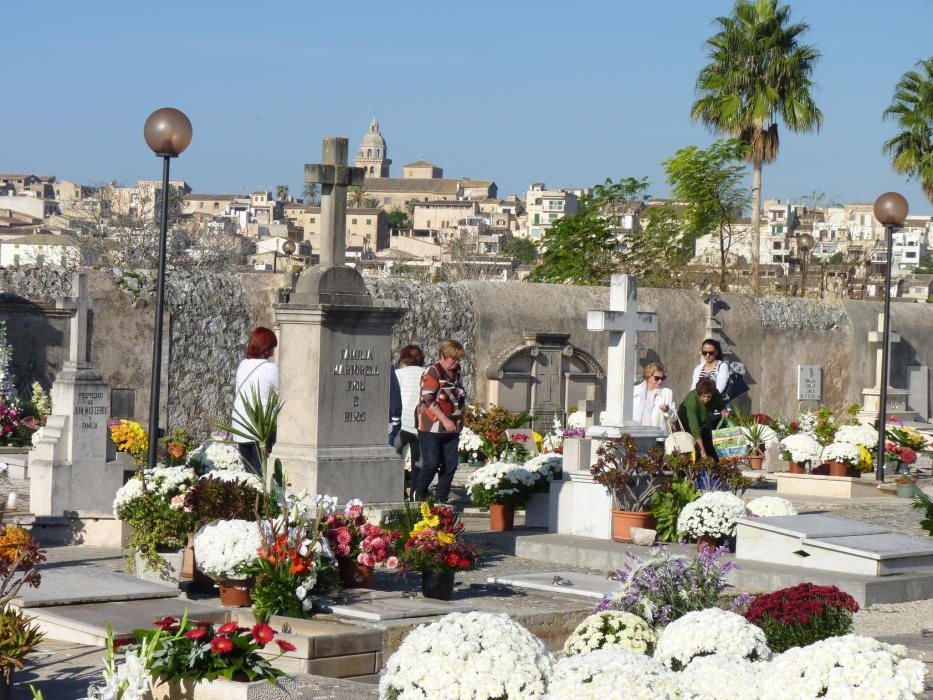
(81, 304)
(878, 337)
(622, 321)
(334, 176)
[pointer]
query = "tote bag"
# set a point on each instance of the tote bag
(679, 441)
(729, 441)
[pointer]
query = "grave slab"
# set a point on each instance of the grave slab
(571, 583)
(73, 585)
(396, 607)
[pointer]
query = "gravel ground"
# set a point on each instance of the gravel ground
(894, 618)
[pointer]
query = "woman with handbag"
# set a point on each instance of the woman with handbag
(712, 366)
(697, 413)
(653, 403)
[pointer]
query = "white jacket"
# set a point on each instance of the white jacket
(721, 375)
(658, 417)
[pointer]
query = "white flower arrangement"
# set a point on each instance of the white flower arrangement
(577, 419)
(710, 631)
(841, 668)
(614, 673)
(475, 656)
(224, 546)
(801, 447)
(500, 482)
(770, 506)
(721, 678)
(167, 482)
(217, 456)
(859, 434)
(611, 628)
(713, 514)
(469, 441)
(244, 477)
(546, 465)
(845, 452)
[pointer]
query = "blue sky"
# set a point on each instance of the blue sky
(520, 92)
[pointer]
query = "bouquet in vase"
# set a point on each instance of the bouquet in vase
(436, 543)
(351, 536)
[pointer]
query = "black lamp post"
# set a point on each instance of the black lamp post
(890, 210)
(168, 133)
(288, 249)
(804, 246)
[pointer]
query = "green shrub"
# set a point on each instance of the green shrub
(667, 504)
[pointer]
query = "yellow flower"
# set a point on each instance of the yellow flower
(539, 439)
(865, 462)
(445, 538)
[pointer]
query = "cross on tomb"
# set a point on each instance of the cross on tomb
(622, 321)
(878, 337)
(81, 304)
(334, 176)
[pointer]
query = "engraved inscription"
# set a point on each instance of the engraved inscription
(356, 362)
(86, 409)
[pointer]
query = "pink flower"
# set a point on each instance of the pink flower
(392, 562)
(178, 502)
(366, 559)
(377, 543)
(343, 536)
(908, 456)
(343, 550)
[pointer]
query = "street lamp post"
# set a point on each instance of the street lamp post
(890, 210)
(804, 246)
(288, 249)
(168, 133)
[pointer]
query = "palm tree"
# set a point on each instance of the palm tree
(370, 202)
(281, 191)
(355, 197)
(758, 73)
(312, 193)
(911, 150)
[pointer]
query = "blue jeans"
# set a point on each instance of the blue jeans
(438, 455)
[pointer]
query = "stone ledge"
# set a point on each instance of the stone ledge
(828, 486)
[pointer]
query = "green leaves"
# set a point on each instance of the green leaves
(911, 150)
(667, 504)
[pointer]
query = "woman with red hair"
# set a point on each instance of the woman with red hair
(259, 374)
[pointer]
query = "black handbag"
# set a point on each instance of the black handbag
(736, 386)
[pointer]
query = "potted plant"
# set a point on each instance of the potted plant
(906, 486)
(434, 545)
(501, 486)
(800, 449)
(631, 481)
(20, 557)
(130, 437)
(223, 549)
(470, 447)
(711, 518)
(841, 456)
(490, 424)
(802, 614)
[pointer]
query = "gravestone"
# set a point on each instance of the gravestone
(334, 357)
(918, 383)
(68, 469)
(871, 397)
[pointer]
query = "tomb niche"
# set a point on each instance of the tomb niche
(545, 376)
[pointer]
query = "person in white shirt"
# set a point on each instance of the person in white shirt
(712, 366)
(653, 403)
(257, 372)
(411, 359)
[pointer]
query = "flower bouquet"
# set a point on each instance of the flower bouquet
(711, 518)
(435, 547)
(614, 673)
(859, 434)
(611, 629)
(469, 446)
(359, 545)
(474, 655)
(490, 424)
(547, 466)
(801, 448)
(711, 631)
(770, 506)
(802, 614)
(130, 437)
(907, 437)
(223, 549)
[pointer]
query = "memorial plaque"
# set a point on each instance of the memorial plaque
(809, 382)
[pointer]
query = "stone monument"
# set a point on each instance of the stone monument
(334, 358)
(871, 397)
(578, 505)
(68, 470)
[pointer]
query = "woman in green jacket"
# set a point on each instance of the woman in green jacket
(696, 414)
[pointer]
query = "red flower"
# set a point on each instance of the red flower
(263, 634)
(228, 628)
(452, 559)
(221, 645)
(285, 646)
(202, 623)
(120, 643)
(196, 633)
(167, 624)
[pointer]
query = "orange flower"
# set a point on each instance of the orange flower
(175, 451)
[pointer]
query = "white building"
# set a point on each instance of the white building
(543, 207)
(40, 249)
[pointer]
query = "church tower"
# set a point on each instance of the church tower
(373, 154)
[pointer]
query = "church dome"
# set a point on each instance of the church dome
(373, 139)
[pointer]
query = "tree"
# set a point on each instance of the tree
(312, 193)
(281, 191)
(657, 253)
(710, 181)
(356, 196)
(398, 219)
(911, 150)
(370, 203)
(520, 248)
(758, 74)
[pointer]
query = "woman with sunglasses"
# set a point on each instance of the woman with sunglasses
(654, 403)
(712, 366)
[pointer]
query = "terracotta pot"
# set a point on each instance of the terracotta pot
(838, 469)
(755, 461)
(235, 594)
(706, 541)
(501, 516)
(437, 584)
(624, 520)
(353, 574)
(796, 468)
(854, 472)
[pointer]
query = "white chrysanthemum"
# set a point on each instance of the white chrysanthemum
(801, 448)
(721, 678)
(547, 464)
(224, 546)
(713, 514)
(614, 673)
(577, 419)
(846, 452)
(127, 493)
(244, 477)
(217, 456)
(840, 668)
(710, 631)
(504, 477)
(468, 656)
(469, 441)
(860, 434)
(611, 629)
(770, 506)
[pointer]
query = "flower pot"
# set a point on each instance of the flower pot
(235, 594)
(624, 520)
(796, 468)
(437, 584)
(755, 461)
(501, 516)
(906, 490)
(353, 574)
(221, 688)
(168, 574)
(838, 468)
(707, 541)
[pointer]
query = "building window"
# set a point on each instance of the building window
(537, 219)
(311, 220)
(353, 221)
(552, 217)
(369, 222)
(777, 245)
